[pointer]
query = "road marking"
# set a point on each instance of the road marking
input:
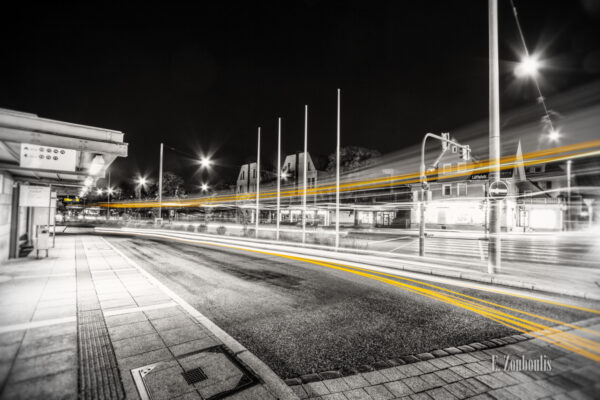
(36, 324)
(451, 281)
(129, 310)
(402, 246)
(387, 240)
(585, 347)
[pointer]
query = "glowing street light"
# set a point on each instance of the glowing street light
(99, 192)
(554, 135)
(142, 181)
(109, 190)
(205, 162)
(204, 187)
(529, 66)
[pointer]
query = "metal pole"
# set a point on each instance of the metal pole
(305, 173)
(108, 190)
(278, 173)
(494, 244)
(257, 184)
(160, 178)
(568, 224)
(337, 177)
(422, 223)
(49, 206)
(422, 202)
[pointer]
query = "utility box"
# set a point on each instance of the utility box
(42, 239)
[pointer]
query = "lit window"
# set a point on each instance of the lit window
(446, 190)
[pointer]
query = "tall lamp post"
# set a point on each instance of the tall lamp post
(337, 176)
(494, 243)
(160, 178)
(257, 185)
(304, 174)
(278, 174)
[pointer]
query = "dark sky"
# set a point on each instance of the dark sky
(203, 76)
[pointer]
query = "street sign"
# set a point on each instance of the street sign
(34, 196)
(45, 157)
(498, 190)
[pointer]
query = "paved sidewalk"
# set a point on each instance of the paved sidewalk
(466, 373)
(87, 323)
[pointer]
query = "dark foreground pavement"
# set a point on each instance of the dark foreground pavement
(122, 317)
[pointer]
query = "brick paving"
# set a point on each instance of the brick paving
(471, 376)
(75, 325)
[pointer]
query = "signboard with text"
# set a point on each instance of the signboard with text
(34, 196)
(49, 158)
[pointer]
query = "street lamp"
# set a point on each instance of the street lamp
(204, 187)
(205, 162)
(99, 192)
(141, 181)
(529, 66)
(554, 135)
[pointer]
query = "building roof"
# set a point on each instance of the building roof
(74, 154)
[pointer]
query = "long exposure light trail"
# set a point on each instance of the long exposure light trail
(479, 167)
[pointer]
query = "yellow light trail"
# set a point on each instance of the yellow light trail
(569, 341)
(433, 175)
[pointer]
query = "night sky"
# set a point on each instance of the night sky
(202, 77)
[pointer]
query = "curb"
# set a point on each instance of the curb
(438, 353)
(272, 382)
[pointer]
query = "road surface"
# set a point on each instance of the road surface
(299, 317)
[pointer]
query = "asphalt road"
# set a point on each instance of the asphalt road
(300, 317)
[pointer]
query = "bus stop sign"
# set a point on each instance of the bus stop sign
(498, 190)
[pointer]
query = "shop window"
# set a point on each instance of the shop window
(446, 190)
(461, 189)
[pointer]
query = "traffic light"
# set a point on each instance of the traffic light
(466, 153)
(445, 137)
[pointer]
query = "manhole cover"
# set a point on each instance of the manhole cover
(214, 373)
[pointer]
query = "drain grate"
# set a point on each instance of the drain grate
(194, 376)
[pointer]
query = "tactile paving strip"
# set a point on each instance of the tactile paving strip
(99, 376)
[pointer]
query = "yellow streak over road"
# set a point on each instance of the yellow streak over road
(566, 340)
(508, 162)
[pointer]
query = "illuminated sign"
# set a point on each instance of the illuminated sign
(45, 157)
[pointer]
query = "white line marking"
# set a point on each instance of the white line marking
(129, 310)
(36, 324)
